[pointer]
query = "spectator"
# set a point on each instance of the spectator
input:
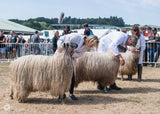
(157, 37)
(66, 30)
(6, 49)
(13, 38)
(143, 32)
(9, 46)
(36, 39)
(123, 30)
(117, 29)
(148, 34)
(2, 45)
(151, 46)
(87, 31)
(55, 39)
(21, 42)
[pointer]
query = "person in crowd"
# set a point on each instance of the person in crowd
(66, 30)
(143, 32)
(87, 31)
(157, 38)
(14, 39)
(36, 40)
(21, 42)
(112, 41)
(2, 45)
(151, 46)
(82, 43)
(124, 30)
(55, 39)
(6, 48)
(9, 46)
(118, 30)
(141, 45)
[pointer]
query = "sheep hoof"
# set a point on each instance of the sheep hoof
(105, 90)
(62, 102)
(64, 96)
(22, 101)
(11, 96)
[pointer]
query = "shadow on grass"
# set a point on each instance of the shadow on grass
(151, 80)
(143, 80)
(123, 91)
(84, 99)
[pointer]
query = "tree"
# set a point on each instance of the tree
(41, 23)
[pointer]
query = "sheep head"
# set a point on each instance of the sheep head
(69, 46)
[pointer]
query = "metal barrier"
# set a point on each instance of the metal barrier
(151, 54)
(11, 51)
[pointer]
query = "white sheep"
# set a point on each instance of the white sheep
(131, 64)
(42, 73)
(97, 67)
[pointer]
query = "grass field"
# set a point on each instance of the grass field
(135, 97)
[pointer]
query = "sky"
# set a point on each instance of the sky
(143, 12)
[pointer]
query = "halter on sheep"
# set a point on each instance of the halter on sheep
(42, 73)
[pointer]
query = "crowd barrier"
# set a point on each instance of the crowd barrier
(11, 51)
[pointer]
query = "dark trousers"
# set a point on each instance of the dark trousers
(6, 52)
(145, 55)
(71, 90)
(151, 55)
(157, 53)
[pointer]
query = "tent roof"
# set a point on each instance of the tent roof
(6, 26)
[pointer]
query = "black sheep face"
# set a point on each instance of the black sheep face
(69, 46)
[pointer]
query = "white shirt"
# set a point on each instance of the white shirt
(111, 41)
(141, 42)
(74, 38)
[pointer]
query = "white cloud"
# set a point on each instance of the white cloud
(151, 2)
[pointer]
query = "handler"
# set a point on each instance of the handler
(113, 41)
(141, 43)
(84, 43)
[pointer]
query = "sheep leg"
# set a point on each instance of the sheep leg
(11, 95)
(62, 99)
(122, 77)
(64, 96)
(105, 90)
(22, 101)
(21, 95)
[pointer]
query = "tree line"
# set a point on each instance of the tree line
(42, 23)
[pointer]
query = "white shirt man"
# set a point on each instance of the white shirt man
(113, 40)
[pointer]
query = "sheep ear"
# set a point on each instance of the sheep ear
(67, 44)
(64, 45)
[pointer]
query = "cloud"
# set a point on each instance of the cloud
(150, 2)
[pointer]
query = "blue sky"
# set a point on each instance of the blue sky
(132, 11)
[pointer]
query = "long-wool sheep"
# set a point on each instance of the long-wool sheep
(97, 67)
(131, 64)
(41, 73)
